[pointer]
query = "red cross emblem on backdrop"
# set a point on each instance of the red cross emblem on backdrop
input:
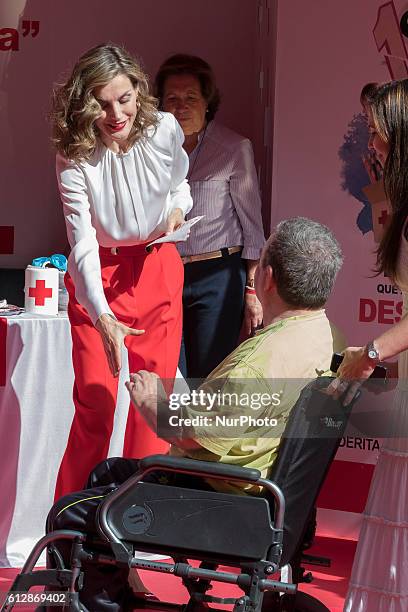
(40, 292)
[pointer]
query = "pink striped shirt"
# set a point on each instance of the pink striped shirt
(224, 188)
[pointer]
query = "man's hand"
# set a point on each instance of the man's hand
(174, 221)
(147, 392)
(113, 334)
(146, 389)
(252, 315)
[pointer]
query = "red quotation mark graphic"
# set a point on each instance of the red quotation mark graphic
(10, 37)
(33, 26)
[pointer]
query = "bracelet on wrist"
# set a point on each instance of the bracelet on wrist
(249, 290)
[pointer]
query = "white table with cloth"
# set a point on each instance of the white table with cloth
(36, 412)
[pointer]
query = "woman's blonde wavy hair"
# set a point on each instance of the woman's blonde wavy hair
(75, 107)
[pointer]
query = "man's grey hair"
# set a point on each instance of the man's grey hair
(305, 258)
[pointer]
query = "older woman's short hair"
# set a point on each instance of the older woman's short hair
(305, 258)
(75, 108)
(195, 66)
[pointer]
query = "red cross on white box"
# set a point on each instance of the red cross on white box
(40, 292)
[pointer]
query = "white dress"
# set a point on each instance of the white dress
(379, 578)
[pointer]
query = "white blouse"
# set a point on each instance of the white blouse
(120, 200)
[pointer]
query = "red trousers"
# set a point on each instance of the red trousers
(145, 292)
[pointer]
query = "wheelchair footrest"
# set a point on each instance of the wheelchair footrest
(201, 598)
(315, 560)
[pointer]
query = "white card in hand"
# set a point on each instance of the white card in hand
(180, 235)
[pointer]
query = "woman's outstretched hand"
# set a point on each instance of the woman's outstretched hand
(113, 334)
(175, 220)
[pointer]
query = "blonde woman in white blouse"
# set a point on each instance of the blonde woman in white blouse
(121, 173)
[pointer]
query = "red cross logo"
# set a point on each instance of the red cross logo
(382, 220)
(40, 292)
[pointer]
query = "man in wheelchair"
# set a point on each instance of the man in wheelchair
(293, 281)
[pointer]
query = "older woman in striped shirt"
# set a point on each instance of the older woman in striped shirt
(222, 253)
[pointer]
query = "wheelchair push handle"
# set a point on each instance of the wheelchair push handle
(199, 468)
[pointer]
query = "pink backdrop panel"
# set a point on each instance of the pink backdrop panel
(325, 53)
(40, 40)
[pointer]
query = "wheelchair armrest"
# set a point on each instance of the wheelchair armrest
(199, 468)
(180, 465)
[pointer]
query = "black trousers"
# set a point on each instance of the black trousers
(106, 587)
(213, 304)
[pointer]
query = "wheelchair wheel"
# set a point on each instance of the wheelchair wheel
(303, 603)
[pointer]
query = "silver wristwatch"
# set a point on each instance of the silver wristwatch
(372, 352)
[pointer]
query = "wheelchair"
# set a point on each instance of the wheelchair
(262, 540)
